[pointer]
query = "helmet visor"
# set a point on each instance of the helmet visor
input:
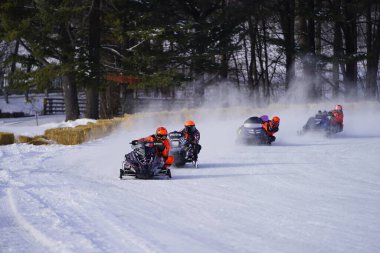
(162, 136)
(190, 129)
(274, 124)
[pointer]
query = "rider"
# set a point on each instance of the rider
(162, 145)
(337, 118)
(271, 127)
(192, 137)
(264, 118)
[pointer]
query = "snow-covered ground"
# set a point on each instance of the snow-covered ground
(36, 123)
(302, 194)
(17, 103)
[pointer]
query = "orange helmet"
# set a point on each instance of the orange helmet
(276, 119)
(161, 133)
(189, 123)
(190, 126)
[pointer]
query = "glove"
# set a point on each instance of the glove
(134, 142)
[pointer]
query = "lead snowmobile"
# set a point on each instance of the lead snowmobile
(252, 132)
(143, 163)
(320, 123)
(182, 151)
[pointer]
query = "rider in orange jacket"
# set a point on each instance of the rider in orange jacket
(271, 127)
(337, 118)
(162, 145)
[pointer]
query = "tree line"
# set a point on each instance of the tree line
(330, 47)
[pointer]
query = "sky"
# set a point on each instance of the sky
(301, 194)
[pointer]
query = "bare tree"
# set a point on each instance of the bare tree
(92, 90)
(287, 22)
(373, 49)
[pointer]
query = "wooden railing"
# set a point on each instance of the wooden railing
(57, 106)
(131, 105)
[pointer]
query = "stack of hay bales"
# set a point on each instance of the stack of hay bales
(36, 140)
(66, 135)
(82, 133)
(6, 138)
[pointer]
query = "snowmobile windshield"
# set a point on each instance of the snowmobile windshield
(175, 135)
(138, 145)
(252, 125)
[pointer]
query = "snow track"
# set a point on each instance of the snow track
(40, 237)
(300, 195)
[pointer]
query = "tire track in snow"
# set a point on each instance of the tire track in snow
(126, 233)
(52, 245)
(38, 196)
(117, 230)
(13, 238)
(79, 219)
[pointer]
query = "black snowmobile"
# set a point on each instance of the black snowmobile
(143, 163)
(252, 132)
(181, 151)
(320, 123)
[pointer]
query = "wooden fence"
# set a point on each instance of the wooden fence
(57, 106)
(130, 105)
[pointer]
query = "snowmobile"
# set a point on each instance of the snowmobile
(142, 162)
(320, 123)
(181, 151)
(252, 132)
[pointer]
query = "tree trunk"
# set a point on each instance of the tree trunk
(252, 70)
(110, 101)
(26, 92)
(287, 23)
(336, 58)
(92, 102)
(127, 98)
(92, 91)
(12, 71)
(350, 38)
(6, 95)
(260, 57)
(307, 46)
(319, 85)
(373, 52)
(69, 84)
(310, 63)
(70, 97)
(247, 64)
(104, 112)
(224, 66)
(266, 64)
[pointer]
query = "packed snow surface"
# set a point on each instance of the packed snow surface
(302, 194)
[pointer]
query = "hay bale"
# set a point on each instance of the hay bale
(23, 139)
(39, 141)
(6, 138)
(99, 131)
(109, 124)
(68, 135)
(36, 140)
(104, 127)
(82, 133)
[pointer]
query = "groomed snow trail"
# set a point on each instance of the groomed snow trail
(308, 194)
